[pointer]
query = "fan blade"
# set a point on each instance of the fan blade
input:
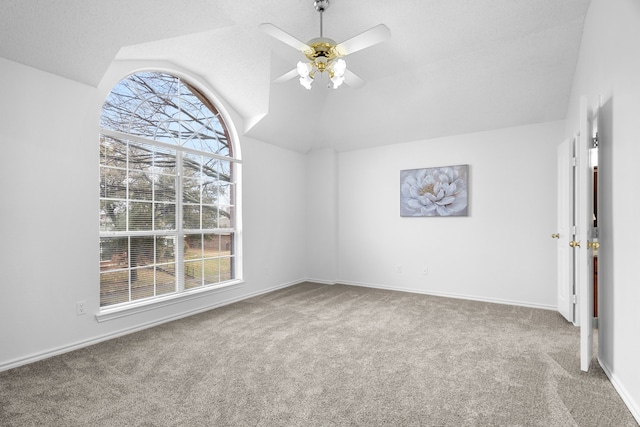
(284, 37)
(287, 76)
(352, 79)
(371, 37)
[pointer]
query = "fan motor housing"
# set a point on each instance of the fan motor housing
(322, 47)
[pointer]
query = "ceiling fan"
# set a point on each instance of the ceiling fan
(324, 54)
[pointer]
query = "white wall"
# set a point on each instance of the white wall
(48, 232)
(501, 252)
(609, 68)
(322, 216)
(274, 214)
(49, 227)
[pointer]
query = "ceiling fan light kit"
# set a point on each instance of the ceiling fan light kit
(324, 54)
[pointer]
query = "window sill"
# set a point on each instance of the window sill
(135, 308)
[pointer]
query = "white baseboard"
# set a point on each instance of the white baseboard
(322, 281)
(86, 343)
(450, 295)
(634, 407)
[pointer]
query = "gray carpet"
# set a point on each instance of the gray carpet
(317, 355)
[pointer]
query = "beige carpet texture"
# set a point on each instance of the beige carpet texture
(320, 355)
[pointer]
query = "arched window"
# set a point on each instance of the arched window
(167, 191)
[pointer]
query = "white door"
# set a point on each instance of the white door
(584, 235)
(564, 233)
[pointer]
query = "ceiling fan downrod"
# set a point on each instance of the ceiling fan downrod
(321, 6)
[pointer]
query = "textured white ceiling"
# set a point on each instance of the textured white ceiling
(450, 67)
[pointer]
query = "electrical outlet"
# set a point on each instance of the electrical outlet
(425, 271)
(81, 308)
(399, 268)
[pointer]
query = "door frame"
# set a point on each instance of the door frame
(584, 232)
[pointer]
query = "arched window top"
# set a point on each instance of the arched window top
(165, 108)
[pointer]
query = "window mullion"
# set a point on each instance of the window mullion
(154, 202)
(179, 224)
(128, 199)
(129, 271)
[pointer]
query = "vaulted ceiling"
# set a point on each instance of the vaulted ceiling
(450, 66)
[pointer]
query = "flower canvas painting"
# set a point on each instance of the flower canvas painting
(440, 191)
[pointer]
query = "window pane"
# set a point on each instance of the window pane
(192, 165)
(165, 187)
(211, 271)
(191, 217)
(165, 216)
(209, 217)
(201, 124)
(140, 156)
(144, 104)
(140, 186)
(165, 279)
(113, 253)
(140, 216)
(226, 217)
(168, 121)
(165, 264)
(215, 140)
(113, 183)
(224, 170)
(113, 152)
(226, 272)
(142, 251)
(210, 190)
(226, 244)
(224, 194)
(165, 161)
(211, 245)
(114, 287)
(113, 215)
(191, 190)
(193, 141)
(192, 274)
(142, 283)
(165, 249)
(192, 246)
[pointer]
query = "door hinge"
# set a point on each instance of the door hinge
(574, 299)
(595, 140)
(574, 161)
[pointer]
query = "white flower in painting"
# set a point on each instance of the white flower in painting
(434, 192)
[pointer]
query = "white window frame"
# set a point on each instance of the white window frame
(180, 295)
